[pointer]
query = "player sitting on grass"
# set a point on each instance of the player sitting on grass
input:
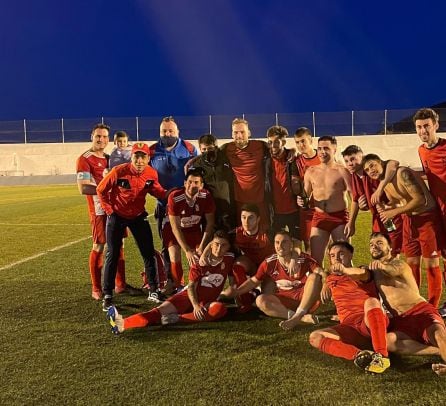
(197, 302)
(297, 279)
(363, 321)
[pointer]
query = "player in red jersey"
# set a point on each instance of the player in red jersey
(306, 157)
(422, 232)
(198, 302)
(297, 279)
(362, 319)
(247, 158)
(328, 182)
(122, 194)
(363, 188)
(285, 184)
(432, 154)
(415, 327)
(187, 209)
(90, 168)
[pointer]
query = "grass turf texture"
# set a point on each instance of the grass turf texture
(56, 347)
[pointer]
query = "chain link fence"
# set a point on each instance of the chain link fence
(343, 123)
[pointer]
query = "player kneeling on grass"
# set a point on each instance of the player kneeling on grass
(297, 277)
(197, 302)
(362, 320)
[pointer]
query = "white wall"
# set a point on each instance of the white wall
(60, 159)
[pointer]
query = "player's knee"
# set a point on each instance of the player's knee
(315, 339)
(261, 301)
(371, 303)
(98, 247)
(391, 339)
(413, 260)
(217, 310)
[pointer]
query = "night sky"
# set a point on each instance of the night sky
(194, 57)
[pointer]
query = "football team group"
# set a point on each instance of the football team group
(263, 217)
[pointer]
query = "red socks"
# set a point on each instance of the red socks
(378, 326)
(434, 285)
(338, 349)
(143, 319)
(176, 269)
(239, 273)
(95, 265)
(216, 311)
(416, 271)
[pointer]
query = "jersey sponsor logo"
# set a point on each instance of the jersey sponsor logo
(285, 284)
(212, 280)
(190, 221)
(434, 254)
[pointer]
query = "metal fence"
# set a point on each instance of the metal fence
(343, 123)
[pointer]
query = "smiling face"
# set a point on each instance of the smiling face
(379, 247)
(353, 162)
(276, 145)
(192, 185)
(99, 139)
(283, 245)
(219, 247)
(140, 160)
(326, 151)
(427, 131)
(373, 168)
(240, 135)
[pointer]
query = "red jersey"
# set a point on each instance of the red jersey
(91, 167)
(190, 216)
(256, 247)
(349, 295)
(124, 190)
(211, 279)
(304, 163)
(249, 174)
(285, 281)
(433, 161)
(283, 196)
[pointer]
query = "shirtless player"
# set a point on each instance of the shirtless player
(327, 183)
(422, 232)
(414, 320)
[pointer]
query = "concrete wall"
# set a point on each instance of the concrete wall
(60, 159)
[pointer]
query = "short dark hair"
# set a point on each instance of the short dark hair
(222, 234)
(277, 131)
(168, 119)
(351, 150)
(100, 126)
(329, 138)
(207, 139)
(120, 134)
(380, 234)
(251, 207)
(426, 113)
(283, 232)
(195, 172)
(302, 131)
(371, 157)
(344, 244)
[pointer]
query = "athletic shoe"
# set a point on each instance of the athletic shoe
(378, 365)
(107, 302)
(171, 318)
(115, 319)
(442, 310)
(96, 294)
(130, 290)
(363, 359)
(156, 296)
(169, 288)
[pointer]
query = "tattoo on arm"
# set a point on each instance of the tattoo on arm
(410, 182)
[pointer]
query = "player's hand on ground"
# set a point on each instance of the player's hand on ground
(199, 312)
(325, 293)
(362, 202)
(439, 369)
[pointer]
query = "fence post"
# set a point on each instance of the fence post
(24, 130)
(102, 119)
(353, 123)
(385, 122)
(277, 119)
(63, 131)
(210, 124)
(137, 128)
(314, 124)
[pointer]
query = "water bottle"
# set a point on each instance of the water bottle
(390, 225)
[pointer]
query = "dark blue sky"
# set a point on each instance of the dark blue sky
(122, 58)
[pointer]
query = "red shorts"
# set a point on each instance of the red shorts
(192, 237)
(423, 235)
(416, 321)
(97, 224)
(291, 298)
(396, 237)
(306, 218)
(182, 302)
(329, 221)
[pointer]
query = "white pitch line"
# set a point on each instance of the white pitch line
(40, 254)
(42, 224)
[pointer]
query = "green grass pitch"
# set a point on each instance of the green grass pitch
(57, 349)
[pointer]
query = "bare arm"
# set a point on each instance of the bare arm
(391, 168)
(393, 269)
(307, 189)
(179, 235)
(86, 187)
(207, 235)
(248, 285)
(199, 311)
(349, 229)
(360, 274)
